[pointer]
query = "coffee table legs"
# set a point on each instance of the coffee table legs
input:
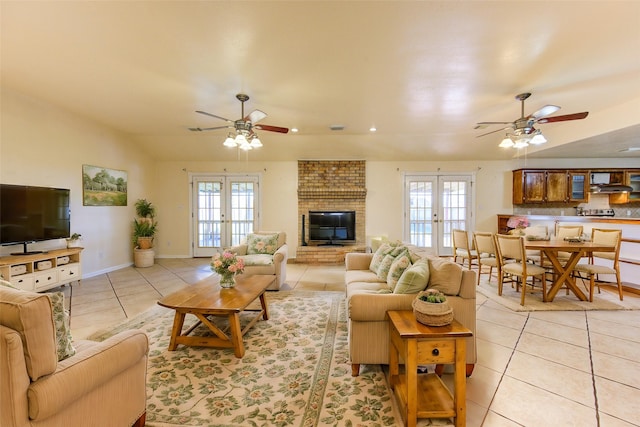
(178, 322)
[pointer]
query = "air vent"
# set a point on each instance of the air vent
(336, 127)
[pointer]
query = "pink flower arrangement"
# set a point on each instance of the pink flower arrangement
(518, 222)
(227, 263)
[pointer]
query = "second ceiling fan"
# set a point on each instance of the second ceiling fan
(523, 127)
(245, 137)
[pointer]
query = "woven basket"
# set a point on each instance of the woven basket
(432, 314)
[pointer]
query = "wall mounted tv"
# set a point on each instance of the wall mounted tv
(32, 214)
(332, 227)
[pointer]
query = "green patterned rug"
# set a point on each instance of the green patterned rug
(295, 371)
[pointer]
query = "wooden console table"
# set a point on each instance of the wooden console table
(425, 395)
(41, 271)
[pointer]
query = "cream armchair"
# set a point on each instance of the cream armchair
(103, 384)
(275, 263)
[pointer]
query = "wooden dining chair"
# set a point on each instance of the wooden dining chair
(487, 255)
(563, 231)
(592, 270)
(513, 260)
(461, 248)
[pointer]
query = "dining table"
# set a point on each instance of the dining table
(564, 267)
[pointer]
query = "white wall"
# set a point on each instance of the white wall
(45, 146)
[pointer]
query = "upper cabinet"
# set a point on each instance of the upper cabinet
(540, 186)
(531, 186)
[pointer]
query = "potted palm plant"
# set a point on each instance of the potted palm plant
(144, 230)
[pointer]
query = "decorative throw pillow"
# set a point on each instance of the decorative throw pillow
(384, 267)
(445, 276)
(414, 279)
(262, 244)
(63, 329)
(378, 257)
(398, 266)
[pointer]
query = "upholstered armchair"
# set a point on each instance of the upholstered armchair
(264, 252)
(102, 384)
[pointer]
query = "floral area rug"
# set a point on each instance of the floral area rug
(295, 371)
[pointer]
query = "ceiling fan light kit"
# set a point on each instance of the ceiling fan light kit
(243, 137)
(521, 133)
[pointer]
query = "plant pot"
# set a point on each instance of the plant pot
(143, 257)
(76, 243)
(145, 242)
(432, 314)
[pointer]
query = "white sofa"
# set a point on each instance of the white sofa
(275, 263)
(367, 305)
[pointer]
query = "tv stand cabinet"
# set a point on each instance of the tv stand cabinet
(39, 272)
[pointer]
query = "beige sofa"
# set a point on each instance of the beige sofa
(102, 384)
(367, 308)
(275, 264)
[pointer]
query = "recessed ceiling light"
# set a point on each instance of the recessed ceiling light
(372, 129)
(294, 130)
(625, 150)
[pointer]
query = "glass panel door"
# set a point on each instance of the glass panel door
(434, 206)
(224, 211)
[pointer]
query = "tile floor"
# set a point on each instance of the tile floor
(534, 369)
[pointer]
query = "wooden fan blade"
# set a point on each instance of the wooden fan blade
(255, 116)
(272, 128)
(217, 127)
(544, 111)
(576, 116)
(494, 131)
(213, 115)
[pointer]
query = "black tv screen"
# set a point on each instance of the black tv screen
(332, 226)
(32, 214)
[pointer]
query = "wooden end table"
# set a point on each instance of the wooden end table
(206, 298)
(425, 395)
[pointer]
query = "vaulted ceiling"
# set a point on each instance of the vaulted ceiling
(423, 73)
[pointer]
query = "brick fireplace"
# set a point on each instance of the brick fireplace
(325, 185)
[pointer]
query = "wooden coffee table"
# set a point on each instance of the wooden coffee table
(206, 298)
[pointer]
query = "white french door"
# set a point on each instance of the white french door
(434, 206)
(224, 210)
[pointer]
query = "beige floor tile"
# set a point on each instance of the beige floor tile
(609, 421)
(493, 356)
(628, 331)
(475, 413)
(557, 331)
(622, 317)
(482, 386)
(496, 420)
(99, 319)
(556, 351)
(502, 317)
(528, 405)
(496, 333)
(574, 319)
(91, 286)
(133, 290)
(96, 305)
(559, 379)
(618, 400)
(615, 346)
(616, 369)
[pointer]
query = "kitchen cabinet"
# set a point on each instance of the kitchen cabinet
(540, 186)
(633, 180)
(578, 186)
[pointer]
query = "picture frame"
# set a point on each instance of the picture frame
(103, 186)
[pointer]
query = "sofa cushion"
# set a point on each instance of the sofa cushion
(365, 276)
(398, 266)
(414, 279)
(63, 330)
(29, 314)
(445, 276)
(257, 259)
(262, 243)
(381, 252)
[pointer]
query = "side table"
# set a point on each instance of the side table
(425, 395)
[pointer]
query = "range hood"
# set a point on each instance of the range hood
(611, 188)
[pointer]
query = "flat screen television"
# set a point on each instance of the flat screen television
(33, 214)
(332, 227)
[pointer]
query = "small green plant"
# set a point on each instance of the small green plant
(75, 236)
(143, 229)
(434, 296)
(144, 209)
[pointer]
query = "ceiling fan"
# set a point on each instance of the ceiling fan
(245, 136)
(522, 132)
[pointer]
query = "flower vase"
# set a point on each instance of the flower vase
(227, 280)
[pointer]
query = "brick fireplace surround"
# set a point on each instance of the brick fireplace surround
(325, 185)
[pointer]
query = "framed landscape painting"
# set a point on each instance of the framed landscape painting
(103, 186)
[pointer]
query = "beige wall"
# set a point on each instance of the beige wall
(44, 146)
